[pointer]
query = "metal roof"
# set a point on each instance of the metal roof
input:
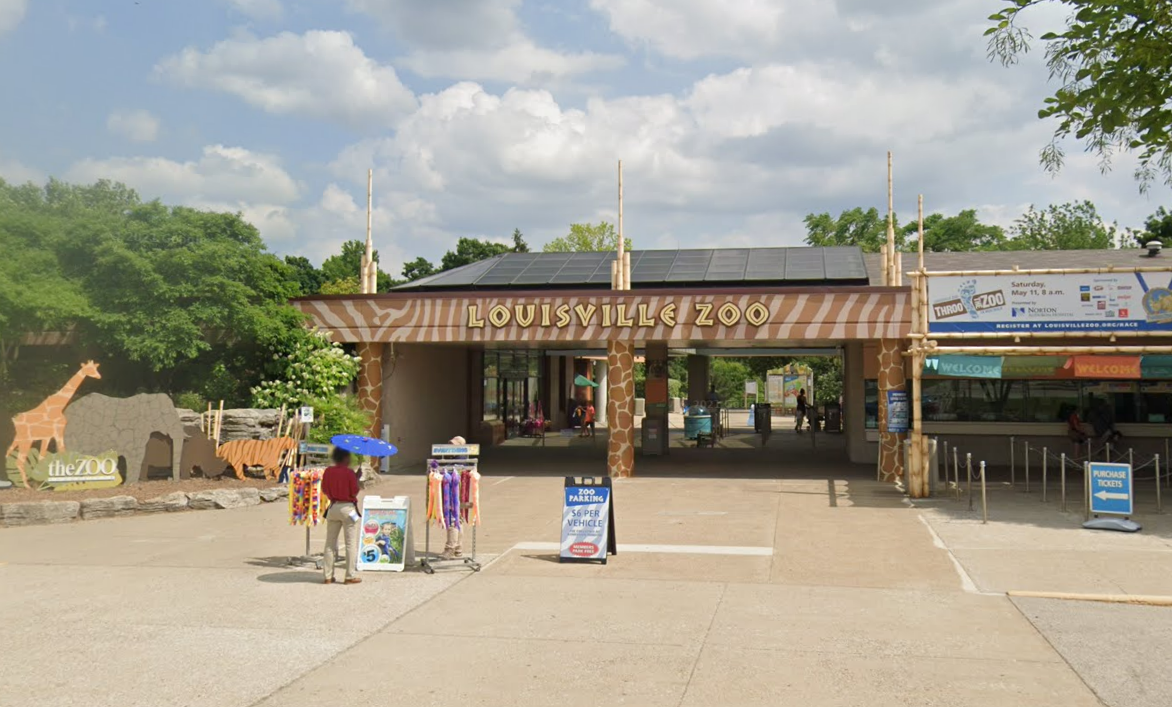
(656, 268)
(1024, 259)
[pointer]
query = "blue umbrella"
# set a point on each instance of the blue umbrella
(366, 446)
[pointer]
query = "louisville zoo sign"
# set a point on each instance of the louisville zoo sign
(705, 314)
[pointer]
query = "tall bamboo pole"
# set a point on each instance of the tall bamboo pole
(918, 473)
(622, 279)
(890, 261)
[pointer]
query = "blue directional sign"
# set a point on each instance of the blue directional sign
(1110, 489)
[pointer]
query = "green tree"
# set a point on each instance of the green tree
(1114, 75)
(346, 286)
(308, 278)
(865, 229)
(587, 238)
(519, 244)
(471, 250)
(959, 233)
(418, 269)
(1158, 227)
(1071, 226)
(348, 264)
(35, 294)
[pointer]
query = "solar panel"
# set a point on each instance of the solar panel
(844, 264)
(651, 267)
(803, 264)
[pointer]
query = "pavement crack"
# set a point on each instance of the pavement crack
(703, 642)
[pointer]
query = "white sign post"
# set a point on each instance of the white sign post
(307, 415)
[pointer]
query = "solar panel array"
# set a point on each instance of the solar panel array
(657, 267)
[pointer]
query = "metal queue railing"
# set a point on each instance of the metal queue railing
(1160, 465)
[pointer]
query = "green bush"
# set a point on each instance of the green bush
(191, 401)
(337, 415)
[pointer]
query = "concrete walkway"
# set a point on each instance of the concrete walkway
(742, 586)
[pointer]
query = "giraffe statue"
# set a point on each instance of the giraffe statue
(46, 422)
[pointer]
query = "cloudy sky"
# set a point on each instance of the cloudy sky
(734, 119)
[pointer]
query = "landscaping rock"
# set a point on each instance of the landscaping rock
(276, 493)
(224, 498)
(241, 423)
(39, 512)
(111, 507)
(176, 501)
(5, 484)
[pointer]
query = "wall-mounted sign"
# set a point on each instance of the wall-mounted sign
(897, 412)
(1077, 302)
(703, 314)
(721, 316)
(963, 366)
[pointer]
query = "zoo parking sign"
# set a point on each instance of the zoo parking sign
(587, 521)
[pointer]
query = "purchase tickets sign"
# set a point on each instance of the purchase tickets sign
(585, 523)
(1078, 302)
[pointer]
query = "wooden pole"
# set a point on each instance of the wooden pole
(369, 280)
(890, 262)
(886, 264)
(622, 245)
(1040, 350)
(219, 423)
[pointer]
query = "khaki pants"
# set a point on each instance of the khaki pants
(338, 519)
(454, 541)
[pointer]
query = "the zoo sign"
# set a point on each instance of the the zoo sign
(1125, 301)
(586, 314)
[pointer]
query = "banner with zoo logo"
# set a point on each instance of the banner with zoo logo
(1012, 303)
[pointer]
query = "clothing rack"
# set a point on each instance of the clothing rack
(447, 457)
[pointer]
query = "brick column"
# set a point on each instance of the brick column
(370, 385)
(620, 457)
(891, 377)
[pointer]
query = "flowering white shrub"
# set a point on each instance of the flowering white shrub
(314, 369)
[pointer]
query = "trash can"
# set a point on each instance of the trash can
(763, 417)
(833, 416)
(934, 481)
(697, 421)
(654, 433)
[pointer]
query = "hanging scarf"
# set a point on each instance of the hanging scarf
(465, 489)
(435, 493)
(473, 511)
(452, 498)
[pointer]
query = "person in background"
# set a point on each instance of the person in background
(588, 421)
(1103, 420)
(339, 483)
(801, 409)
(1074, 429)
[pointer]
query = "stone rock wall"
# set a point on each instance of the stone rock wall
(242, 423)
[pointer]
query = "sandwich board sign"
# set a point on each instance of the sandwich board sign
(384, 537)
(587, 521)
(1110, 491)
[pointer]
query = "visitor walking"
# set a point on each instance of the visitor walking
(339, 483)
(588, 421)
(801, 409)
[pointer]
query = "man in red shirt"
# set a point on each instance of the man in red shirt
(340, 484)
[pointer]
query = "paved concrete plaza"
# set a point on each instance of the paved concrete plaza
(743, 578)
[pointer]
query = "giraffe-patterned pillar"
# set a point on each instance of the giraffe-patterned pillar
(891, 377)
(370, 385)
(620, 412)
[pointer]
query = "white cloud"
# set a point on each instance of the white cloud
(11, 14)
(259, 9)
(223, 178)
(521, 62)
(15, 172)
(320, 74)
(135, 125)
(688, 29)
(477, 40)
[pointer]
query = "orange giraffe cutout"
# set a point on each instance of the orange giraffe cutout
(46, 422)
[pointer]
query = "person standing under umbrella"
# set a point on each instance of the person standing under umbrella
(340, 484)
